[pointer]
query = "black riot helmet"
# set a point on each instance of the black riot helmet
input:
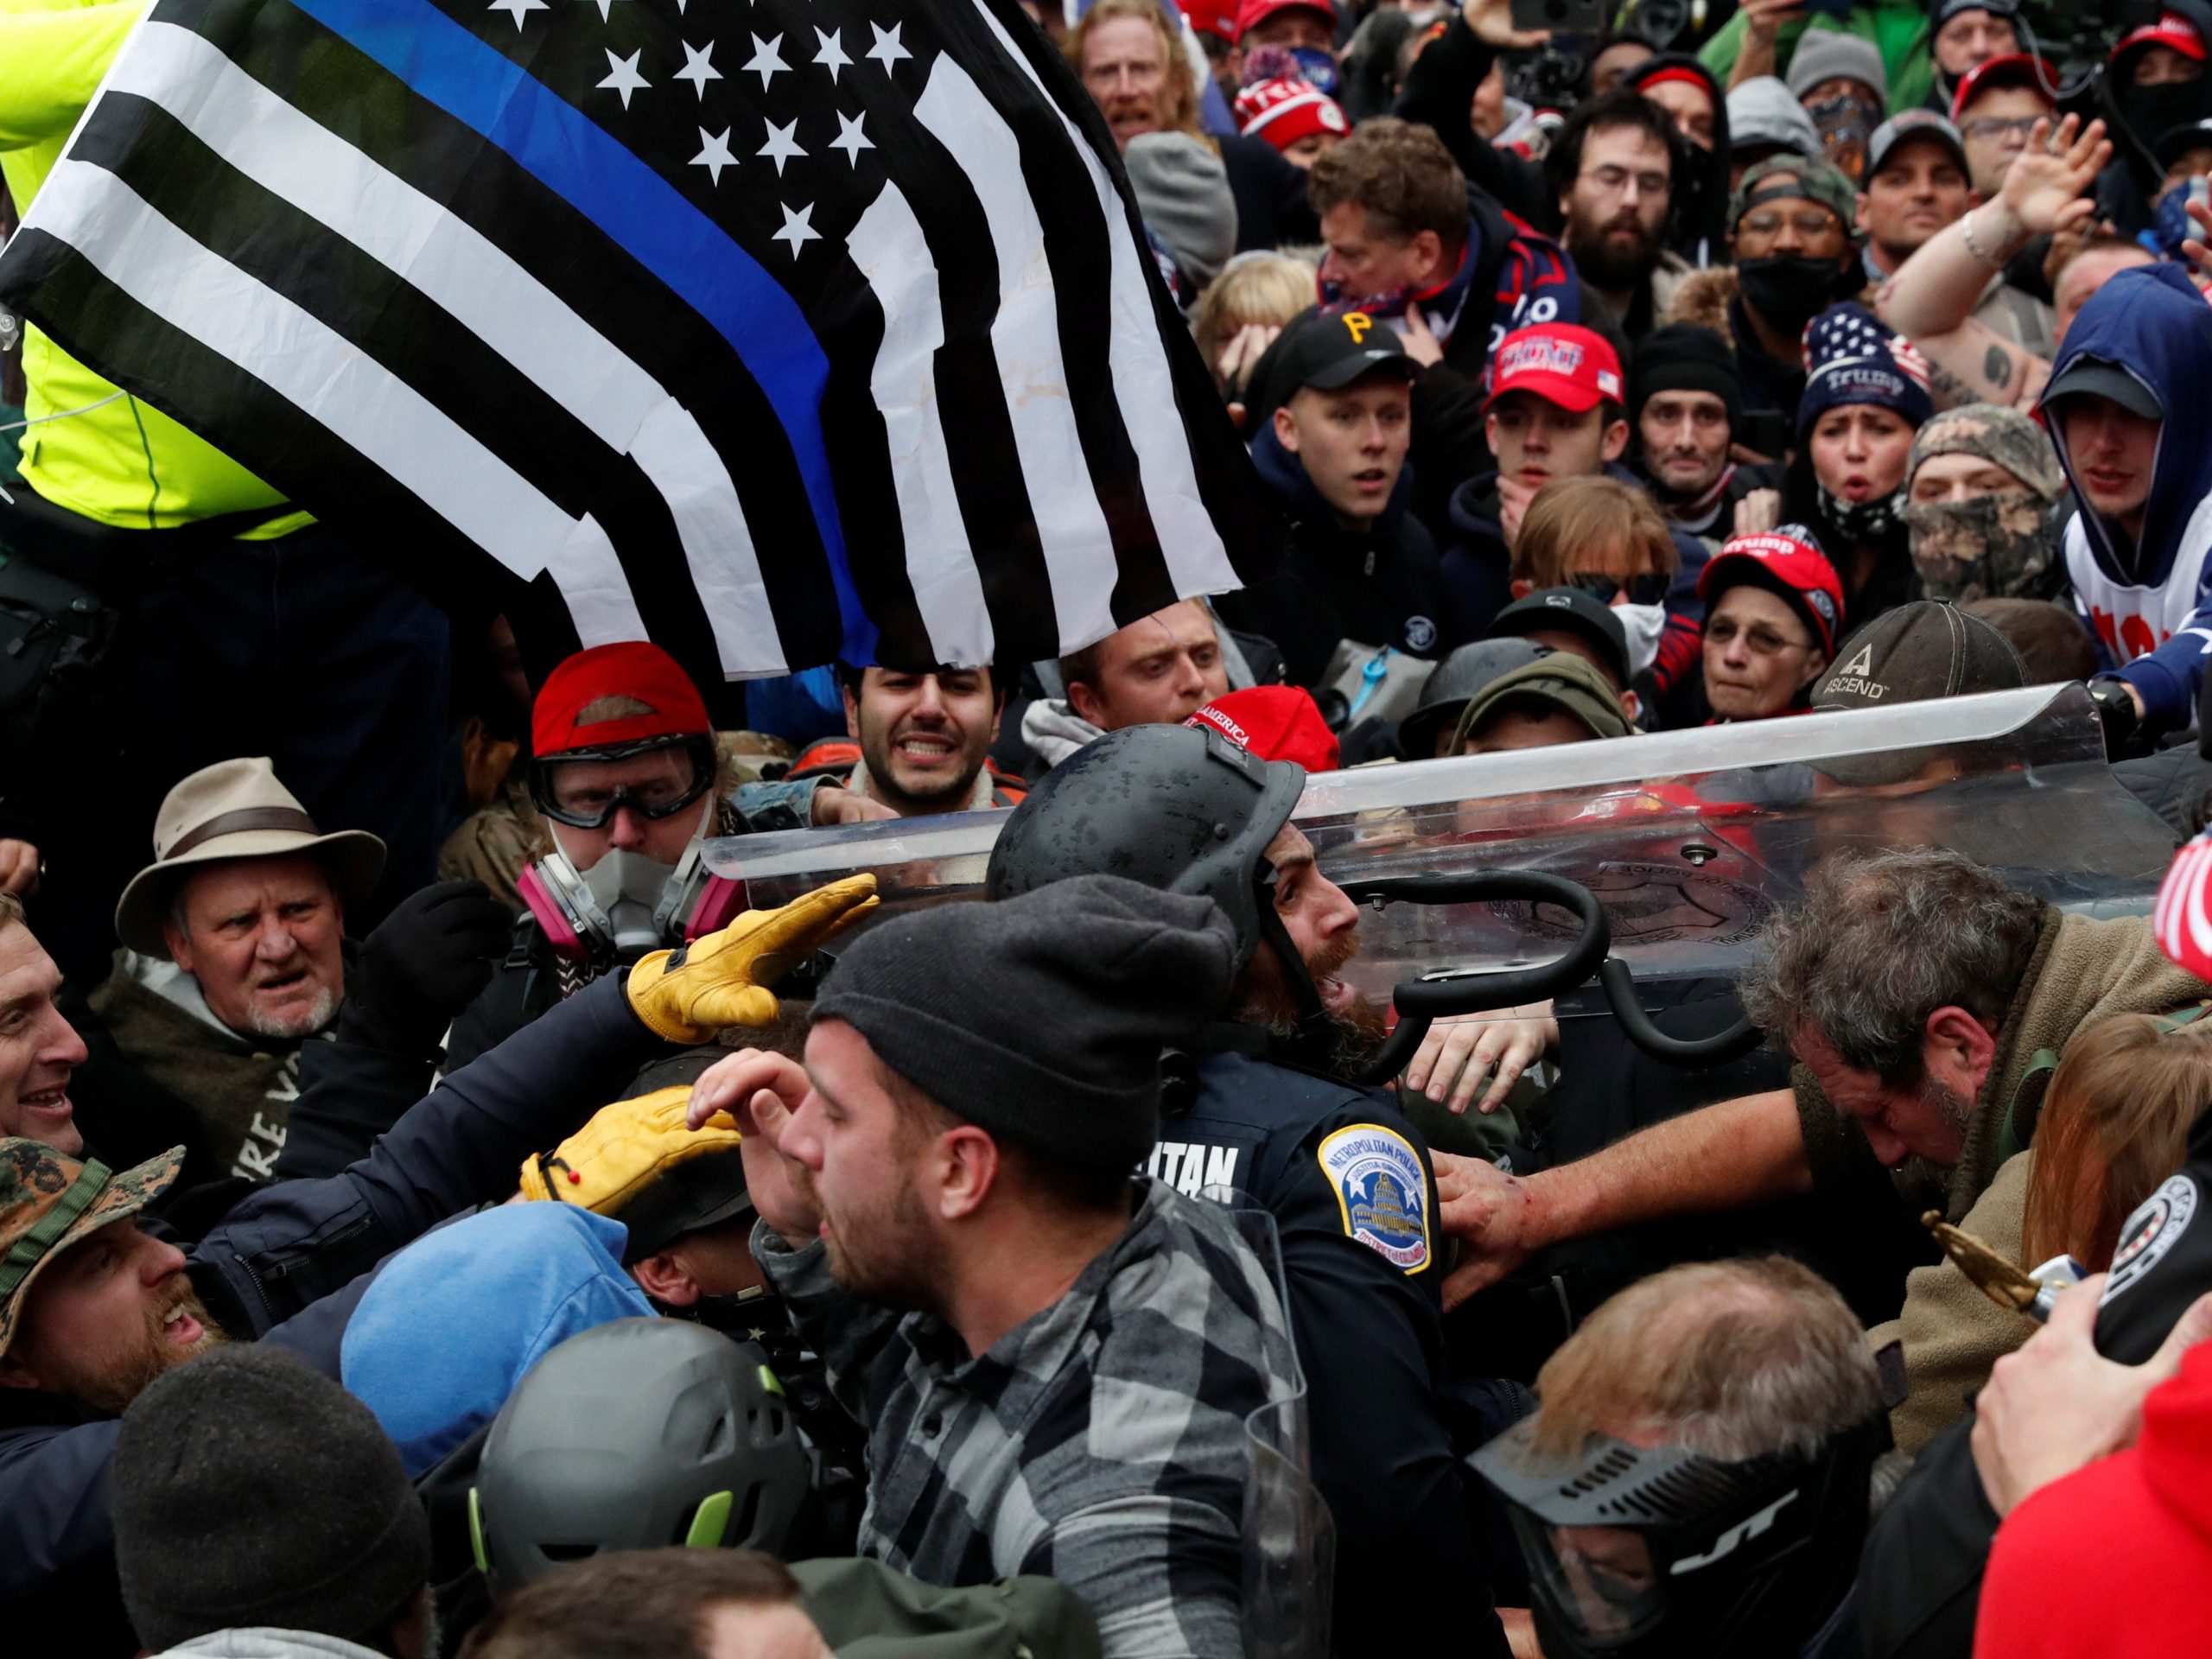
(637, 1435)
(1174, 807)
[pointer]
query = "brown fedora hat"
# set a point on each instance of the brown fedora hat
(235, 809)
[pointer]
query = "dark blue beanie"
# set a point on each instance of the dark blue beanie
(1852, 357)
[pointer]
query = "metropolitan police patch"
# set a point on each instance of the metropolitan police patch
(1380, 1189)
(2154, 1229)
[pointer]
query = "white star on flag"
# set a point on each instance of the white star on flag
(698, 67)
(713, 153)
(622, 74)
(781, 146)
(796, 228)
(886, 46)
(832, 55)
(767, 58)
(850, 138)
(605, 9)
(518, 7)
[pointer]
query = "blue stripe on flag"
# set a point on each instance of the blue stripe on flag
(638, 210)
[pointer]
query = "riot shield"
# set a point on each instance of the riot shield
(1290, 1542)
(1686, 838)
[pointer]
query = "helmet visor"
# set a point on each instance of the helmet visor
(1599, 1582)
(655, 778)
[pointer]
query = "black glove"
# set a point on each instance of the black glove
(426, 962)
(2116, 711)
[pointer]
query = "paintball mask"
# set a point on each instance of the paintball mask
(1663, 1551)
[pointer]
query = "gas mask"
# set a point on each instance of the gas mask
(1988, 547)
(627, 904)
(1639, 1552)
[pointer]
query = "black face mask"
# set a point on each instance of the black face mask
(1789, 290)
(2153, 110)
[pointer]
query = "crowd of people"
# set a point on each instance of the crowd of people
(439, 1216)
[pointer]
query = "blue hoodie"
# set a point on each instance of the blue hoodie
(454, 1321)
(2150, 606)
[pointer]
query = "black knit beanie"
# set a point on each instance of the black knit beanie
(1685, 358)
(1042, 1018)
(250, 1490)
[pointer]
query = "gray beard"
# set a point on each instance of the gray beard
(299, 1025)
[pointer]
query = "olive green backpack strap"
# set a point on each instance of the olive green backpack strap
(2025, 1107)
(2026, 1104)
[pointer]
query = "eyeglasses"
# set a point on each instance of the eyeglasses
(1812, 223)
(1997, 126)
(1763, 639)
(1648, 588)
(572, 788)
(1614, 179)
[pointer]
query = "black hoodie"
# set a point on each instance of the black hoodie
(1380, 585)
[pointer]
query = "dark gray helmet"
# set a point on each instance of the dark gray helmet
(1174, 807)
(1451, 684)
(637, 1435)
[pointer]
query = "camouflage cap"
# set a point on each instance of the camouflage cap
(1816, 181)
(48, 1202)
(1574, 684)
(2002, 436)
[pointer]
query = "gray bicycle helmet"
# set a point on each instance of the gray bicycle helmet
(637, 1435)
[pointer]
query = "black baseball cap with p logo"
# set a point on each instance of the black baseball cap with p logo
(1330, 349)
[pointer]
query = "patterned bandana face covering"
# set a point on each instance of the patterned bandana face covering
(1990, 547)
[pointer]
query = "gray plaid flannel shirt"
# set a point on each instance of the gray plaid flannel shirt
(1100, 1443)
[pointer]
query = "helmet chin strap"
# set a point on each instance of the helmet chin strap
(1312, 1032)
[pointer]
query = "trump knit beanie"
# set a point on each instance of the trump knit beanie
(1042, 1018)
(249, 1490)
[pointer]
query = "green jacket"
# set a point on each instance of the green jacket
(1899, 27)
(122, 464)
(867, 1610)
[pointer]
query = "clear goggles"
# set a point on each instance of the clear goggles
(655, 778)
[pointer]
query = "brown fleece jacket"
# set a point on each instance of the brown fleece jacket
(1952, 1333)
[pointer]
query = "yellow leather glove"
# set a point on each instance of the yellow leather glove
(689, 993)
(625, 1149)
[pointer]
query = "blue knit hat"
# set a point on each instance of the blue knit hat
(1852, 357)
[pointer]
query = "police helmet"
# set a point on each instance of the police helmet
(637, 1435)
(1174, 807)
(1452, 683)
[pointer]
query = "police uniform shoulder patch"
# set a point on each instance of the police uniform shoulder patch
(1381, 1192)
(2155, 1228)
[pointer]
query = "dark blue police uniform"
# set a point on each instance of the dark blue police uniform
(1349, 1183)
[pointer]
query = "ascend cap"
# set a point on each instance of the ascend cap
(1929, 648)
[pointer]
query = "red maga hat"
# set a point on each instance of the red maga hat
(1276, 722)
(631, 669)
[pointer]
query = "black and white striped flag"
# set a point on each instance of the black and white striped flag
(769, 330)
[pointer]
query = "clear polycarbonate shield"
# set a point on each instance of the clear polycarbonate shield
(1688, 838)
(1290, 1542)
